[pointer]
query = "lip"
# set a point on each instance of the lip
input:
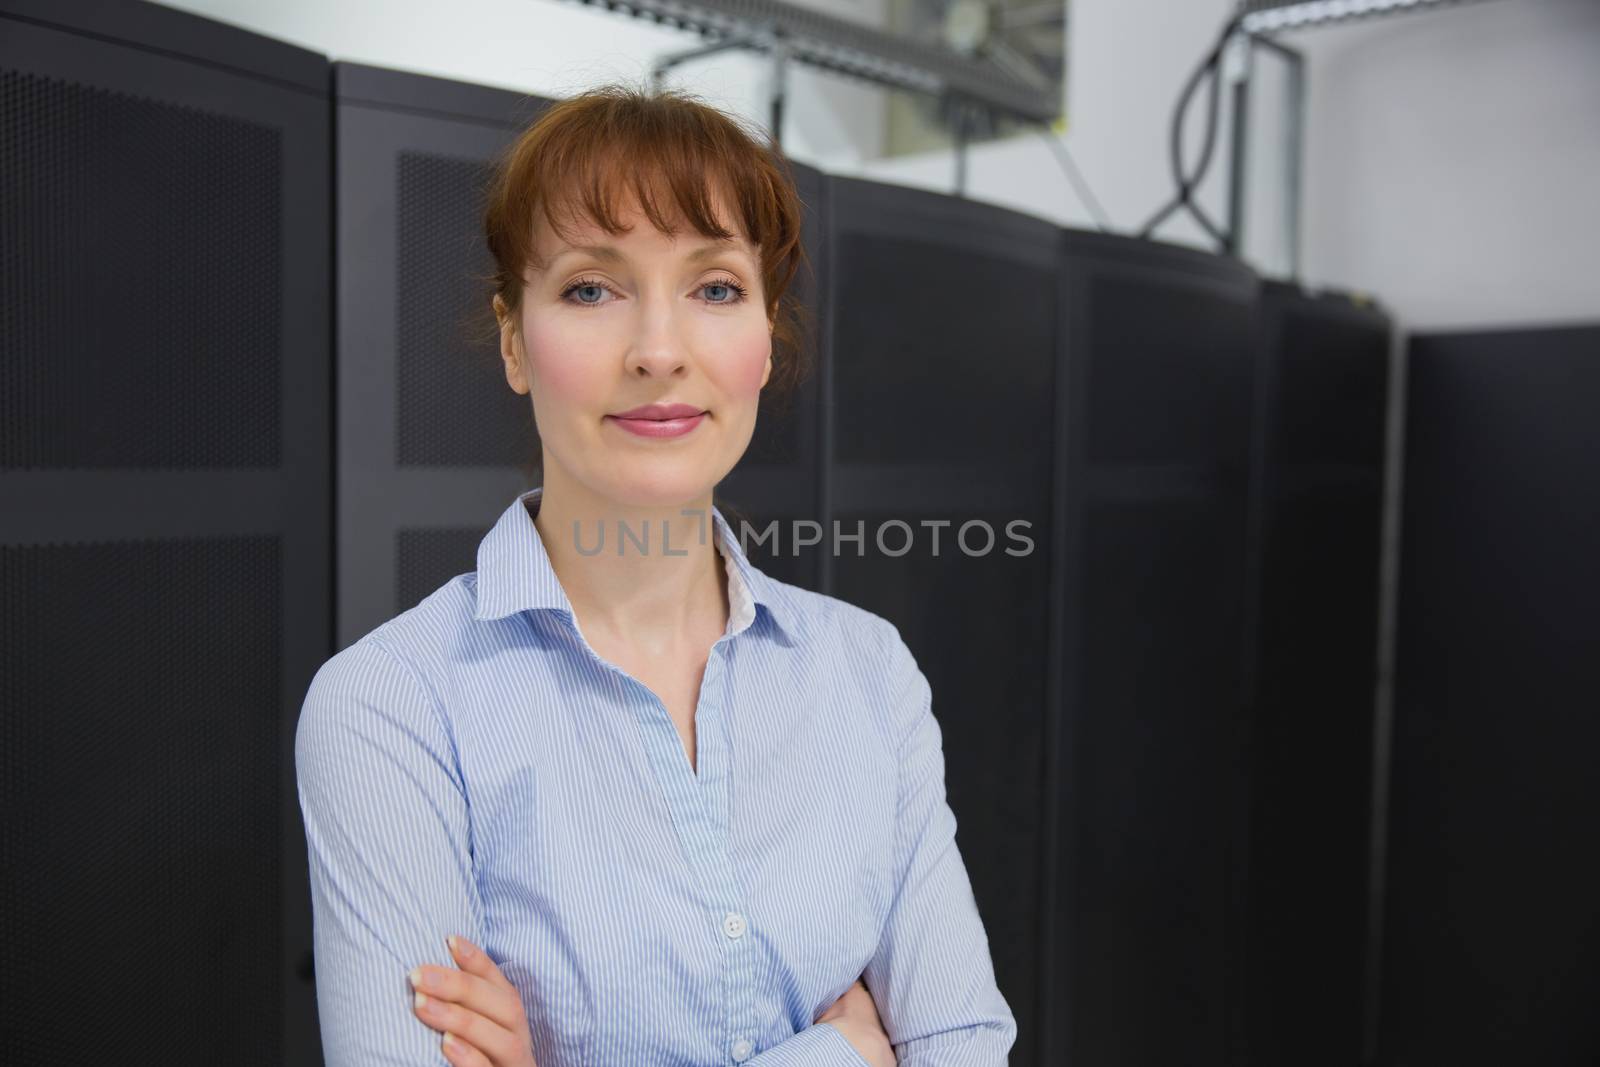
(660, 420)
(661, 411)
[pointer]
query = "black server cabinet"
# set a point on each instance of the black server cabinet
(1491, 953)
(778, 482)
(432, 444)
(164, 531)
(939, 410)
(1146, 863)
(1311, 670)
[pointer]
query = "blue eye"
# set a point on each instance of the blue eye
(583, 283)
(730, 284)
(739, 291)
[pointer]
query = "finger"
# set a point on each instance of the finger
(484, 1035)
(500, 1003)
(474, 960)
(481, 985)
(460, 1052)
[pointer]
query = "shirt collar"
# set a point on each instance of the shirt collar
(515, 574)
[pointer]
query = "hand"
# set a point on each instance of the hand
(855, 1015)
(477, 1008)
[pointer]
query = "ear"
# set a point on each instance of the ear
(511, 352)
(767, 373)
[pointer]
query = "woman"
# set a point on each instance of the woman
(669, 809)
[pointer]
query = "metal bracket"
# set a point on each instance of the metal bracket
(1294, 121)
(768, 39)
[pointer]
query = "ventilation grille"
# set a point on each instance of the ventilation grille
(426, 559)
(140, 282)
(455, 408)
(141, 685)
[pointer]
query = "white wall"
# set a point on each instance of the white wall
(1454, 162)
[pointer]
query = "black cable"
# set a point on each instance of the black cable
(1079, 185)
(1209, 68)
(1175, 156)
(1206, 69)
(1187, 185)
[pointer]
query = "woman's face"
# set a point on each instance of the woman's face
(658, 320)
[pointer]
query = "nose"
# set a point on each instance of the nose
(658, 350)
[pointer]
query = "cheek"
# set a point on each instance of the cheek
(564, 369)
(741, 368)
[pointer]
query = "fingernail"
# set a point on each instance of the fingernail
(416, 978)
(422, 1000)
(459, 946)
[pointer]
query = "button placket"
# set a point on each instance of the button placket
(714, 789)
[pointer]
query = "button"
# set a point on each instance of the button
(742, 1049)
(733, 925)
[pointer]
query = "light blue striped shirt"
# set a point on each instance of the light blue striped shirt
(473, 766)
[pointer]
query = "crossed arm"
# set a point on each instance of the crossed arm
(387, 837)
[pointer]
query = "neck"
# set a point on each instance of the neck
(667, 585)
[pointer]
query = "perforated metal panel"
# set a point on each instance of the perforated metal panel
(165, 535)
(140, 276)
(142, 691)
(1168, 376)
(1149, 836)
(453, 406)
(1149, 874)
(426, 559)
(1333, 382)
(941, 352)
(1323, 387)
(1492, 875)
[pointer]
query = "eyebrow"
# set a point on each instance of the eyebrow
(612, 254)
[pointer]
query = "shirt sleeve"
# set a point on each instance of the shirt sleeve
(387, 840)
(818, 1045)
(932, 977)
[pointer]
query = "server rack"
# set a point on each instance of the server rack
(164, 529)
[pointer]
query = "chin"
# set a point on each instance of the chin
(663, 490)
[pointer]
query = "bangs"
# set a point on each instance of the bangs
(670, 194)
(601, 157)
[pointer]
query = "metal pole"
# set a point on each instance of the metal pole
(780, 62)
(1294, 121)
(961, 118)
(1294, 136)
(1239, 161)
(1383, 718)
